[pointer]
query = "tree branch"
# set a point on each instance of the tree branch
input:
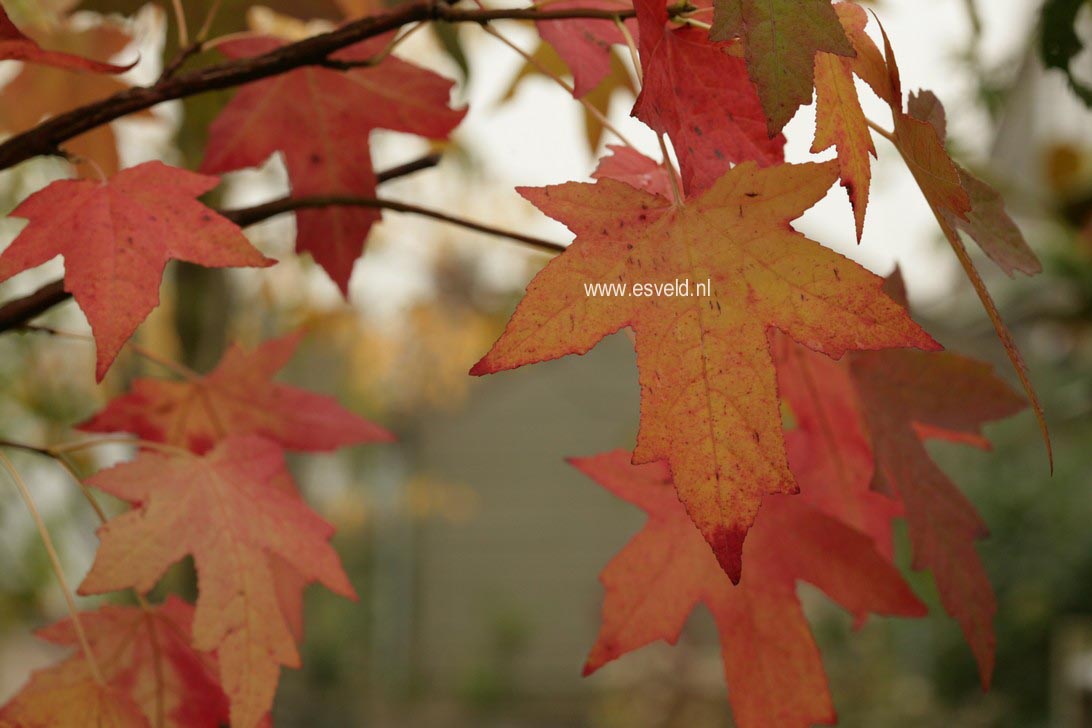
(18, 312)
(251, 215)
(21, 310)
(47, 137)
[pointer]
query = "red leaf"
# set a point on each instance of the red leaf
(829, 450)
(839, 119)
(584, 43)
(16, 46)
(237, 398)
(320, 119)
(636, 170)
(697, 93)
(771, 662)
(227, 510)
(899, 390)
(117, 236)
(149, 666)
(128, 642)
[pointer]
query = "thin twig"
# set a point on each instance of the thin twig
(882, 132)
(206, 27)
(599, 115)
(634, 56)
(66, 463)
(26, 448)
(180, 369)
(71, 447)
(180, 18)
(55, 564)
(258, 213)
(340, 65)
(676, 192)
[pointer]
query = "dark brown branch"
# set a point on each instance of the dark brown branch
(251, 215)
(47, 137)
(18, 312)
(21, 310)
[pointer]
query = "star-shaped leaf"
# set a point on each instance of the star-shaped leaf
(907, 396)
(238, 398)
(229, 511)
(771, 662)
(320, 120)
(146, 661)
(709, 403)
(117, 236)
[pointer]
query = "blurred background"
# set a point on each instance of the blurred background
(474, 546)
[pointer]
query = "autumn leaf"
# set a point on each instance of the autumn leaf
(16, 46)
(947, 189)
(709, 401)
(635, 169)
(698, 94)
(238, 398)
(42, 91)
(146, 660)
(829, 448)
(986, 221)
(771, 662)
(901, 392)
(839, 120)
(68, 696)
(117, 236)
(585, 43)
(781, 38)
(320, 120)
(227, 511)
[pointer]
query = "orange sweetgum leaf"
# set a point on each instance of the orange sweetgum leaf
(839, 120)
(698, 94)
(781, 38)
(320, 120)
(709, 403)
(228, 510)
(986, 221)
(117, 236)
(771, 662)
(68, 696)
(238, 398)
(132, 647)
(16, 46)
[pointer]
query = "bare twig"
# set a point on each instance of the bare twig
(55, 563)
(258, 213)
